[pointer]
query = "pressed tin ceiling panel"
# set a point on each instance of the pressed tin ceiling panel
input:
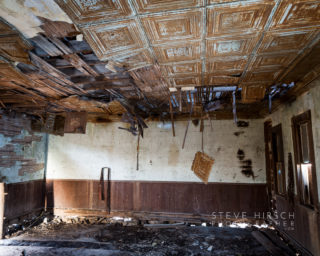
(84, 11)
(252, 93)
(175, 26)
(178, 52)
(221, 80)
(220, 64)
(291, 40)
(272, 61)
(297, 14)
(181, 68)
(201, 43)
(237, 45)
(136, 59)
(115, 38)
(185, 81)
(246, 17)
(144, 6)
(262, 75)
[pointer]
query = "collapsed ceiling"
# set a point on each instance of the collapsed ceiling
(152, 57)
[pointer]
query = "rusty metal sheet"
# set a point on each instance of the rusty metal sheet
(183, 25)
(117, 38)
(244, 17)
(83, 11)
(144, 6)
(297, 14)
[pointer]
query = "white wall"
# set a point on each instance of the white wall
(77, 156)
(310, 100)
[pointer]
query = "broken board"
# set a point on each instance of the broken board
(201, 166)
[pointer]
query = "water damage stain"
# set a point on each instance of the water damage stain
(238, 133)
(242, 124)
(241, 154)
(245, 164)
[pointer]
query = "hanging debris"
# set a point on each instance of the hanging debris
(201, 166)
(138, 148)
(234, 107)
(76, 122)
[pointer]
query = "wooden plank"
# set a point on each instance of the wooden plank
(47, 46)
(286, 250)
(267, 243)
(44, 66)
(79, 64)
(2, 208)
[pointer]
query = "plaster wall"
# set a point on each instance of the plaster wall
(307, 101)
(13, 11)
(78, 156)
(22, 153)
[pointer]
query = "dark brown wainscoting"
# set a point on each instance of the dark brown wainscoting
(156, 197)
(306, 230)
(24, 198)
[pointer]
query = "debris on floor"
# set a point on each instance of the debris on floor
(103, 236)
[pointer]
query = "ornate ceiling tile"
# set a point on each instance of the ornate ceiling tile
(145, 6)
(272, 61)
(112, 39)
(252, 93)
(245, 17)
(162, 28)
(178, 52)
(221, 80)
(297, 14)
(261, 76)
(231, 46)
(185, 81)
(182, 68)
(221, 64)
(290, 40)
(136, 59)
(81, 11)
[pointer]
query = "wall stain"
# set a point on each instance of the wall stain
(238, 133)
(173, 155)
(242, 124)
(245, 164)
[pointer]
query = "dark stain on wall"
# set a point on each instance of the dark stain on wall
(238, 133)
(245, 164)
(242, 124)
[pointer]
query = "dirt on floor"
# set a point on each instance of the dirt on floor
(89, 237)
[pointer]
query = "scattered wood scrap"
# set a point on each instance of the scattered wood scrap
(272, 243)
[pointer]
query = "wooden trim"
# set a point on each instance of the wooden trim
(267, 139)
(277, 130)
(296, 122)
(2, 208)
(159, 181)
